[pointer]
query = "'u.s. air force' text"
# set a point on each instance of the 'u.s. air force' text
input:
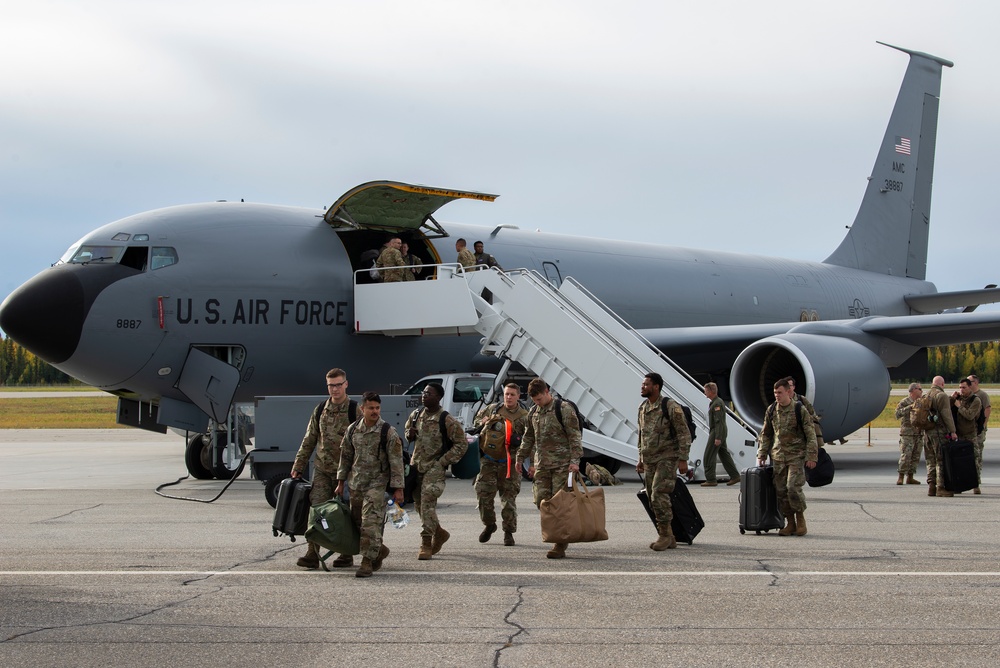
(261, 312)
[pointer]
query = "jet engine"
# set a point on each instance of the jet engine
(847, 383)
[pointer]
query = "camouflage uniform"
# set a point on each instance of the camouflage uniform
(968, 411)
(408, 261)
(980, 441)
(717, 429)
(552, 448)
(663, 441)
(790, 448)
(368, 468)
(391, 257)
(323, 435)
(466, 259)
(431, 464)
(941, 408)
(911, 439)
(500, 475)
(598, 475)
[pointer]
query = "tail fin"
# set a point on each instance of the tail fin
(897, 202)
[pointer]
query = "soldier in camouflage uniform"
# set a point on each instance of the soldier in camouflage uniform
(968, 408)
(984, 397)
(790, 440)
(555, 447)
(369, 470)
(944, 429)
(911, 439)
(410, 272)
(465, 256)
(324, 434)
(598, 475)
(716, 446)
(423, 429)
(664, 446)
(388, 259)
(501, 473)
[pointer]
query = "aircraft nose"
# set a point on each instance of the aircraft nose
(46, 314)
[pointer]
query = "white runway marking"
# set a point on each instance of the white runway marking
(685, 574)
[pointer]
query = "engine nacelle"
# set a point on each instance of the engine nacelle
(846, 382)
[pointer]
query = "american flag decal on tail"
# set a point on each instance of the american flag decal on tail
(903, 145)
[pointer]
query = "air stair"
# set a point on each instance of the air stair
(585, 352)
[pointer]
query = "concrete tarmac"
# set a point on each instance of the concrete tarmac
(97, 570)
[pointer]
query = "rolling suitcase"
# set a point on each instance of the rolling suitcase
(687, 521)
(958, 463)
(759, 500)
(823, 473)
(291, 514)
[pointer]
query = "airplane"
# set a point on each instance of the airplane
(145, 309)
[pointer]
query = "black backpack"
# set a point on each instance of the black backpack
(446, 441)
(687, 417)
(352, 411)
(769, 417)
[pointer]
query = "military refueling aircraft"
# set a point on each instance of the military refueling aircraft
(142, 308)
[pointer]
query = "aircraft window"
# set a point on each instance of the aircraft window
(121, 236)
(420, 385)
(97, 254)
(471, 389)
(135, 257)
(163, 256)
(141, 237)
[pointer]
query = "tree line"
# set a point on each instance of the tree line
(20, 367)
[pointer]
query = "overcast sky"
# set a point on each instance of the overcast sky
(714, 124)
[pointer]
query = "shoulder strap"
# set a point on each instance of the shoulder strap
(665, 415)
(318, 411)
(558, 410)
(445, 439)
(384, 440)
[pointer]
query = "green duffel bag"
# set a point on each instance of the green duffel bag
(331, 526)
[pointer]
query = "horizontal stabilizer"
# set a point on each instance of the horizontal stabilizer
(939, 301)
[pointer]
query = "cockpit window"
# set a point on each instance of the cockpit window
(135, 257)
(96, 254)
(163, 256)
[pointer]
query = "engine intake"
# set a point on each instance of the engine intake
(846, 382)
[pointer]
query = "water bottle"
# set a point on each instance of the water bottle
(398, 516)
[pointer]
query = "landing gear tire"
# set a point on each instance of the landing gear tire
(198, 458)
(219, 469)
(271, 489)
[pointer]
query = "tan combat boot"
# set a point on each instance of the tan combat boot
(931, 489)
(440, 538)
(558, 551)
(943, 492)
(425, 548)
(365, 569)
(508, 538)
(666, 541)
(800, 524)
(310, 559)
(910, 480)
(789, 526)
(899, 480)
(383, 552)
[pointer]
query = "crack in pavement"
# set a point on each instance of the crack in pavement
(767, 569)
(57, 517)
(865, 511)
(507, 620)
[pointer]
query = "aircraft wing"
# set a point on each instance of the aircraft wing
(921, 331)
(938, 301)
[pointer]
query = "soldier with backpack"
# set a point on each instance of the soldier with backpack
(664, 446)
(324, 433)
(439, 441)
(372, 462)
(789, 439)
(982, 424)
(942, 428)
(553, 439)
(502, 427)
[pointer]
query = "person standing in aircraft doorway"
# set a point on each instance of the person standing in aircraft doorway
(465, 256)
(664, 446)
(410, 272)
(484, 258)
(390, 262)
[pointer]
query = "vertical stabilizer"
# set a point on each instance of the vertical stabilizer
(889, 234)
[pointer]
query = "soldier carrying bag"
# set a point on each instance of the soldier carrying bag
(574, 515)
(921, 415)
